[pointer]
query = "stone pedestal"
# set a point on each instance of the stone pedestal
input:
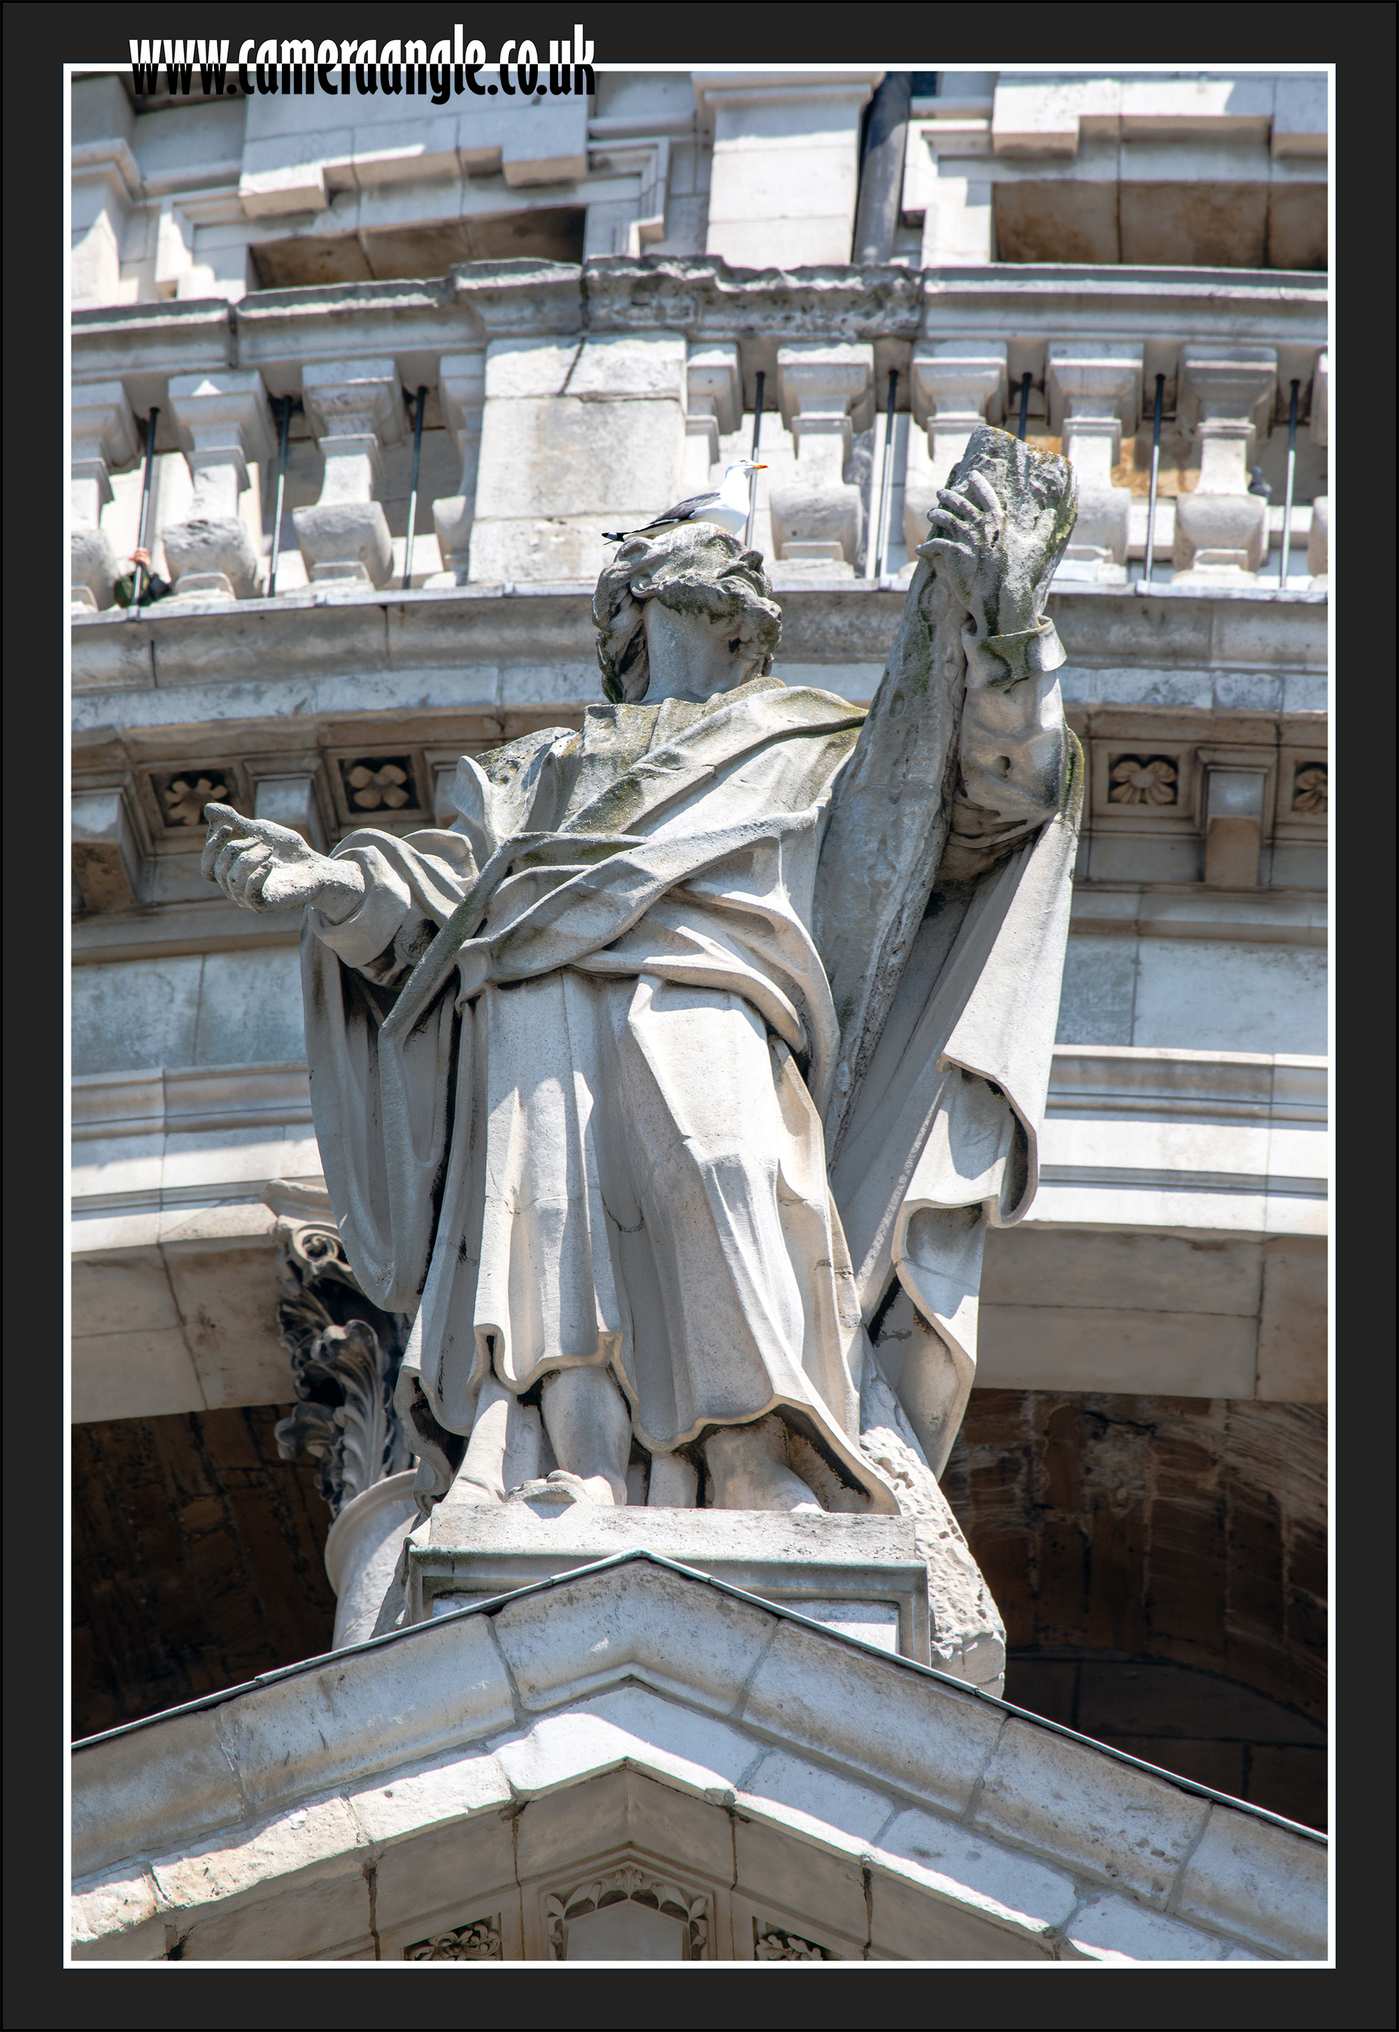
(881, 1579)
(361, 1553)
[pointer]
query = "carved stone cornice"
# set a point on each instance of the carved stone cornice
(705, 298)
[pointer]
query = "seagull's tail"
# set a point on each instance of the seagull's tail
(616, 535)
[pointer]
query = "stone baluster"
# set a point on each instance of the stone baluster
(1095, 397)
(1319, 540)
(354, 407)
(714, 409)
(104, 436)
(225, 434)
(461, 389)
(1225, 397)
(956, 385)
(825, 390)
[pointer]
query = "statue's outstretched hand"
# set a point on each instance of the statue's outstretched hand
(269, 867)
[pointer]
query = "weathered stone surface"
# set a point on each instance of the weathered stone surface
(1254, 1879)
(825, 1699)
(637, 1613)
(1112, 1820)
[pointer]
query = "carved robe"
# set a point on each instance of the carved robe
(571, 1057)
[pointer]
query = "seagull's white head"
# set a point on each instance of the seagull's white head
(743, 466)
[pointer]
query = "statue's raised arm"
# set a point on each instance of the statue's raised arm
(941, 912)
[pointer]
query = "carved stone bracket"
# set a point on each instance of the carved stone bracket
(345, 1355)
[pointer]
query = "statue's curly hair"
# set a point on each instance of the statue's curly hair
(695, 568)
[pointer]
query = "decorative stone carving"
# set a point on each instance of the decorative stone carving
(957, 386)
(379, 783)
(1225, 398)
(183, 798)
(1095, 398)
(628, 1882)
(103, 436)
(355, 407)
(224, 430)
(480, 1941)
(1143, 779)
(777, 1946)
(345, 1356)
(825, 390)
(461, 390)
(1309, 790)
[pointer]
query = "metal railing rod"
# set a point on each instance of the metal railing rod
(1025, 380)
(1155, 476)
(886, 479)
(141, 541)
(1291, 483)
(753, 455)
(413, 491)
(281, 493)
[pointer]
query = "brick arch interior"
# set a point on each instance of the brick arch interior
(1172, 1549)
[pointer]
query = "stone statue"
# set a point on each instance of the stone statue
(710, 1038)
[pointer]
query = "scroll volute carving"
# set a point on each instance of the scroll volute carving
(345, 1355)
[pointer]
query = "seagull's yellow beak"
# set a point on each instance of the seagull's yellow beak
(760, 469)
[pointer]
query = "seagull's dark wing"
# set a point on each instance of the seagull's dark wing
(683, 510)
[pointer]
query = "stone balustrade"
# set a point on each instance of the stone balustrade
(825, 391)
(957, 385)
(225, 433)
(565, 401)
(461, 391)
(103, 437)
(1224, 400)
(1095, 399)
(356, 409)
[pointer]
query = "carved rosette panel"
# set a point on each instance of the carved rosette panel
(345, 1355)
(774, 1945)
(613, 1887)
(478, 1941)
(1143, 779)
(1310, 790)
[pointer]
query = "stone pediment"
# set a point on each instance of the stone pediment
(640, 1762)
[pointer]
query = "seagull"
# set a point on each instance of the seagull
(728, 508)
